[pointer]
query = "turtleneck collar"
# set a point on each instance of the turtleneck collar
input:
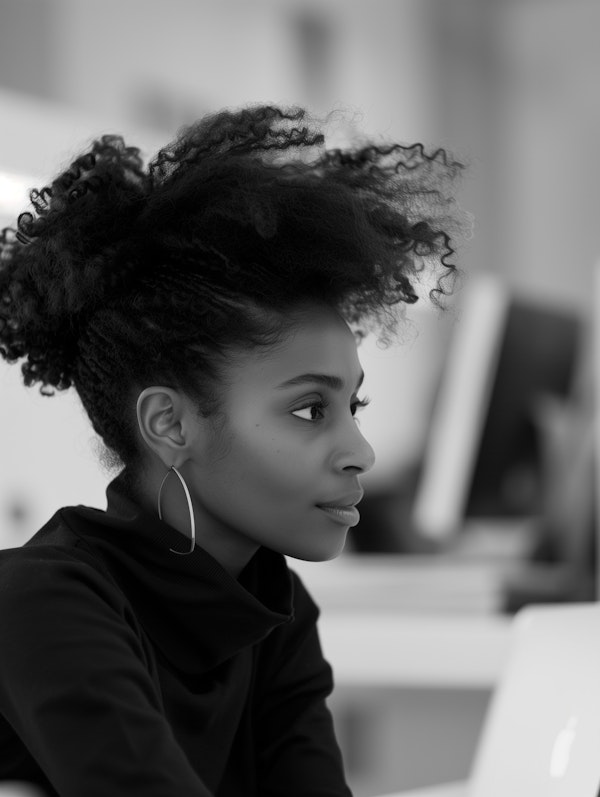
(192, 609)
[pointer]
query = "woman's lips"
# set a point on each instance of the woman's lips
(346, 515)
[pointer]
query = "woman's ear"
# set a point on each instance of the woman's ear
(161, 421)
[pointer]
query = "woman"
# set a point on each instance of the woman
(207, 311)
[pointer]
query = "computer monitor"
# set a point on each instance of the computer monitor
(482, 455)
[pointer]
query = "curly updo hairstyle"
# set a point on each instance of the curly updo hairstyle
(124, 276)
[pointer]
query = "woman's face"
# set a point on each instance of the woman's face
(283, 470)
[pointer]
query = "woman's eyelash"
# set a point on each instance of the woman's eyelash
(360, 403)
(322, 405)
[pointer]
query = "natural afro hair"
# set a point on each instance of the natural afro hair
(124, 275)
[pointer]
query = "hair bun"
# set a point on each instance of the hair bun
(62, 259)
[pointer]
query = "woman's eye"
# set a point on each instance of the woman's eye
(316, 410)
(313, 412)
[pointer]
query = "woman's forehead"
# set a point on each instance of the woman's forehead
(319, 342)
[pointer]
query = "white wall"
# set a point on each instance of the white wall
(202, 55)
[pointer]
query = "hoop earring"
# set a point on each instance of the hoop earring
(190, 508)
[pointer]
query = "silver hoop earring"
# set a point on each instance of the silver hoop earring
(190, 509)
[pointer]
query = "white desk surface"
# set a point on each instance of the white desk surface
(19, 789)
(410, 621)
(370, 649)
(458, 789)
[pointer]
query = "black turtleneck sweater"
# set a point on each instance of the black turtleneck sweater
(128, 670)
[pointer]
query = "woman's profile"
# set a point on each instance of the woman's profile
(206, 309)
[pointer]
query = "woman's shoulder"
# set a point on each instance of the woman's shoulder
(56, 560)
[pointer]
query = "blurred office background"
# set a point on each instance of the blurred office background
(509, 86)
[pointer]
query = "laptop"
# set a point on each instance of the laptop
(541, 735)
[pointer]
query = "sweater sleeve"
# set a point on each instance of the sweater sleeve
(75, 687)
(298, 753)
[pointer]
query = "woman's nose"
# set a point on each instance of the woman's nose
(355, 451)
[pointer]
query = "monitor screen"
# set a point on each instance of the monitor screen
(482, 454)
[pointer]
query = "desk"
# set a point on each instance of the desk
(416, 645)
(447, 790)
(367, 648)
(410, 621)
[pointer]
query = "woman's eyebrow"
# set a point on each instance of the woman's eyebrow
(332, 382)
